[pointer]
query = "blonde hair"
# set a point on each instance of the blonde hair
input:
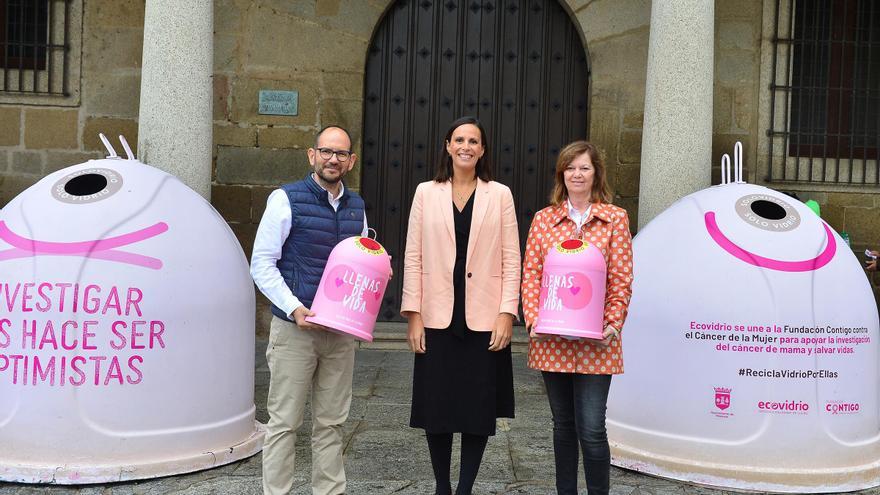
(600, 191)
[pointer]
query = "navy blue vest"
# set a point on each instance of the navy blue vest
(315, 230)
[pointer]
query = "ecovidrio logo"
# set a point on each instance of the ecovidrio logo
(784, 406)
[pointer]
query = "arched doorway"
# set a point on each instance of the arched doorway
(517, 65)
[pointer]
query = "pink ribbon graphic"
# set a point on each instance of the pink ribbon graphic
(103, 249)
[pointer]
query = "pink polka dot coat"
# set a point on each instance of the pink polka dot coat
(607, 228)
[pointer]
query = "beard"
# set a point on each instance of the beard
(329, 179)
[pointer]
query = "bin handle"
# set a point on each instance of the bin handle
(110, 150)
(126, 147)
(738, 162)
(371, 229)
(725, 169)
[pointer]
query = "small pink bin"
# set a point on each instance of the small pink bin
(352, 287)
(572, 291)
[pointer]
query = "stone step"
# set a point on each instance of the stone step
(391, 335)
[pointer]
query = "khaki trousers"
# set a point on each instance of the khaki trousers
(306, 363)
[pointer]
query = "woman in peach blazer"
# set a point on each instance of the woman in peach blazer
(460, 295)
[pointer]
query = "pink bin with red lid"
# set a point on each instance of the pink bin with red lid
(352, 286)
(572, 291)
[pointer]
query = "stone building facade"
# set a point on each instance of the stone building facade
(319, 47)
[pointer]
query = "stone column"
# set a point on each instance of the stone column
(677, 136)
(175, 127)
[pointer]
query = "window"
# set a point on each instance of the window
(34, 46)
(23, 29)
(825, 96)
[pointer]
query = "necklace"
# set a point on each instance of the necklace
(463, 197)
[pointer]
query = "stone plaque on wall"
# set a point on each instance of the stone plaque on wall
(278, 102)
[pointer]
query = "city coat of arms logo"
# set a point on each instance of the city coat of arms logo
(722, 398)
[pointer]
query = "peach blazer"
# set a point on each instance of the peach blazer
(493, 258)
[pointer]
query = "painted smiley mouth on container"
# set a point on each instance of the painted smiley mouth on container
(103, 249)
(816, 263)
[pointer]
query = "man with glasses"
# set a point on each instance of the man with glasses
(302, 223)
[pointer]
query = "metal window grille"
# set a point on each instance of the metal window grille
(34, 51)
(825, 92)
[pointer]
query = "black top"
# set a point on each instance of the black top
(459, 385)
(462, 232)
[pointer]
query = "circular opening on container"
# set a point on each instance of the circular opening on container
(85, 185)
(370, 244)
(572, 244)
(768, 210)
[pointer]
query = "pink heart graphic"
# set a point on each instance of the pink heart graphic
(334, 284)
(375, 302)
(579, 294)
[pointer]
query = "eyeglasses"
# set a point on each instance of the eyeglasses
(341, 155)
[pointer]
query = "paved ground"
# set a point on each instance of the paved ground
(385, 456)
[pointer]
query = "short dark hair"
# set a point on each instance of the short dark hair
(333, 126)
(483, 169)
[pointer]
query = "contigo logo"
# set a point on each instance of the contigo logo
(842, 407)
(794, 406)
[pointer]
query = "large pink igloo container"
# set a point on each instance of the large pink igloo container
(572, 291)
(352, 287)
(126, 330)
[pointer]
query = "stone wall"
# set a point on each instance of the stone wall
(737, 67)
(318, 48)
(851, 209)
(36, 140)
(617, 33)
(616, 37)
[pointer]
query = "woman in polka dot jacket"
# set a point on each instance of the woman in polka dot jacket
(577, 373)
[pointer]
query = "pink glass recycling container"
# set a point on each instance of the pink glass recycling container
(572, 291)
(126, 330)
(352, 287)
(752, 351)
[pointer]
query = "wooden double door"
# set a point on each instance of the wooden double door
(519, 66)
